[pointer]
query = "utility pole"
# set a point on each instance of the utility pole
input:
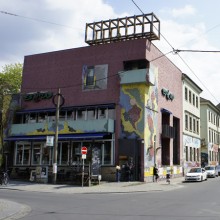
(56, 136)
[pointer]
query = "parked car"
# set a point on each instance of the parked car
(218, 169)
(196, 174)
(211, 171)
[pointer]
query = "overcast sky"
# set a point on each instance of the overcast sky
(39, 26)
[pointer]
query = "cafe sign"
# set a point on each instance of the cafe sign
(37, 96)
(166, 93)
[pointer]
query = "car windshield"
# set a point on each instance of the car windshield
(209, 168)
(195, 170)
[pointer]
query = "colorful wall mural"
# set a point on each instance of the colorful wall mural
(132, 110)
(139, 114)
(151, 124)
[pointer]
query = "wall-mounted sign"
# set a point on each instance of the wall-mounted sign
(167, 94)
(37, 96)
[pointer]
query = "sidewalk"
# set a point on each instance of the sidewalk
(11, 210)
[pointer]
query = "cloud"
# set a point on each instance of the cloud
(46, 25)
(202, 68)
(181, 12)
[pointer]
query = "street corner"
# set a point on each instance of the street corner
(12, 210)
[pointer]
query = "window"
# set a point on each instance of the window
(91, 114)
(190, 153)
(190, 123)
(190, 97)
(135, 64)
(22, 154)
(194, 99)
(197, 102)
(186, 122)
(194, 125)
(194, 154)
(186, 94)
(36, 154)
(197, 126)
(81, 114)
(198, 154)
(102, 113)
(187, 154)
(90, 76)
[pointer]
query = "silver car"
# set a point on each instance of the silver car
(211, 171)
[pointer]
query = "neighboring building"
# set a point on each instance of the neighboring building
(191, 123)
(118, 99)
(209, 132)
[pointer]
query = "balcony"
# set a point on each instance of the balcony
(168, 131)
(64, 127)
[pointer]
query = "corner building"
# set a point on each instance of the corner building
(122, 100)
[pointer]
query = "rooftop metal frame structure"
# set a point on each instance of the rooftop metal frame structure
(122, 29)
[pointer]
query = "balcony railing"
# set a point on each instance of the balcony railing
(64, 127)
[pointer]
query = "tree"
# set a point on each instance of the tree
(10, 83)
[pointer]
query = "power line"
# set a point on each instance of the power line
(197, 51)
(38, 20)
(81, 84)
(177, 52)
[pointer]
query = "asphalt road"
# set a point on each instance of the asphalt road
(191, 202)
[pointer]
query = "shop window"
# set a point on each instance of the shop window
(22, 154)
(107, 153)
(64, 153)
(46, 155)
(36, 154)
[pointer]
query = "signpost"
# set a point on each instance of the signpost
(83, 152)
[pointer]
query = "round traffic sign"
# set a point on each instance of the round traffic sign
(84, 150)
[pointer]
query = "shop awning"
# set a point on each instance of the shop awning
(85, 136)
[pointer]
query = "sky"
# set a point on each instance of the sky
(31, 27)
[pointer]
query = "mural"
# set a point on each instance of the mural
(132, 113)
(94, 77)
(151, 124)
(139, 114)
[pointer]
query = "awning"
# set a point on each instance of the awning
(163, 110)
(84, 136)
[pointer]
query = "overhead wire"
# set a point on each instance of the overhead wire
(176, 51)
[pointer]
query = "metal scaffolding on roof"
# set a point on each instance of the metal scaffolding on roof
(121, 29)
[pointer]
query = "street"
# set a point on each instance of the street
(193, 201)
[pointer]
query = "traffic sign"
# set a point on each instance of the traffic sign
(84, 150)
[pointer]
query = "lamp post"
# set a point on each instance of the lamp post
(58, 101)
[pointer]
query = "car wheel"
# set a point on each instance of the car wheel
(201, 179)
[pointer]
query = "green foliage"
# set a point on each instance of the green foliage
(10, 83)
(10, 79)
